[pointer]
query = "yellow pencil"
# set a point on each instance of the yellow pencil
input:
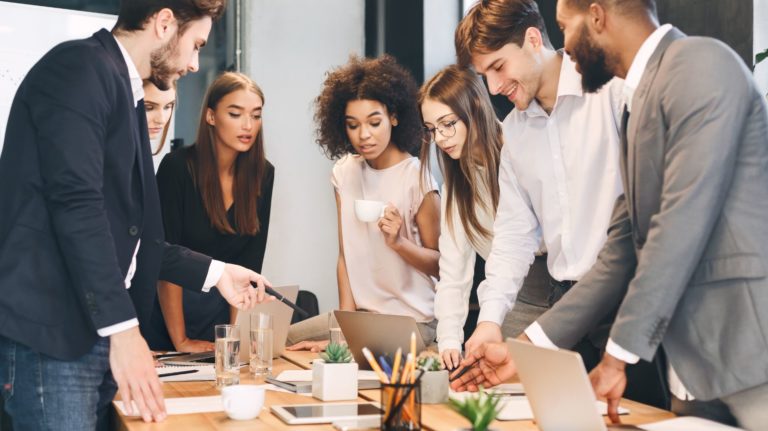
(396, 365)
(369, 356)
(406, 369)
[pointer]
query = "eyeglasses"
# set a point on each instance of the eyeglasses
(446, 128)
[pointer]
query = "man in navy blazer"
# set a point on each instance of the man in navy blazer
(81, 237)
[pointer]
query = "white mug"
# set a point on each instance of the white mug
(242, 402)
(368, 211)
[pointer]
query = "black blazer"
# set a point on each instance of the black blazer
(77, 191)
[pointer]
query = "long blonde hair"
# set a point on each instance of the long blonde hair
(463, 92)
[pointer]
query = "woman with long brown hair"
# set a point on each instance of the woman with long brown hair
(216, 197)
(459, 119)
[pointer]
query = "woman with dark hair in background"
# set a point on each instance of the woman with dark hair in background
(216, 197)
(459, 118)
(367, 119)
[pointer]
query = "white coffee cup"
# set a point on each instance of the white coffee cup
(242, 402)
(368, 211)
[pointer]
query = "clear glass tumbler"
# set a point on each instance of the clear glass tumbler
(227, 355)
(261, 344)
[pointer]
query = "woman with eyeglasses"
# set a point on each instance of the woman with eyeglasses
(368, 120)
(460, 121)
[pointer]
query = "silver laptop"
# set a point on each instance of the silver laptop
(558, 389)
(281, 320)
(382, 334)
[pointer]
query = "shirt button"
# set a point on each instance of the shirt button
(133, 231)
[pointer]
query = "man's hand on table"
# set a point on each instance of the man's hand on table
(133, 368)
(609, 379)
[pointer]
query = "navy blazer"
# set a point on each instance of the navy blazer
(77, 192)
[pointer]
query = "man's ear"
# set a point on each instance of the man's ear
(164, 24)
(533, 38)
(596, 17)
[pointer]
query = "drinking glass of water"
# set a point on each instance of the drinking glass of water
(227, 355)
(261, 344)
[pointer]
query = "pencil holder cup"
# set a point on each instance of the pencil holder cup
(401, 406)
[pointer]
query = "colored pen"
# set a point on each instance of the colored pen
(372, 362)
(176, 373)
(385, 366)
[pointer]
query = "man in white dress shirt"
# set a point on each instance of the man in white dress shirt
(685, 256)
(559, 173)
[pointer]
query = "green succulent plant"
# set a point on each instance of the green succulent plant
(336, 354)
(429, 361)
(480, 410)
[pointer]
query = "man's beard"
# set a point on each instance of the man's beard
(592, 61)
(161, 63)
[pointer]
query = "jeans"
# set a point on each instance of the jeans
(44, 393)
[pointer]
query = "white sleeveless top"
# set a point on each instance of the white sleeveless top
(381, 280)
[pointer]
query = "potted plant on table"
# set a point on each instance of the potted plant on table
(334, 376)
(480, 409)
(434, 382)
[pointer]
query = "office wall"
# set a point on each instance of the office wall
(729, 21)
(288, 47)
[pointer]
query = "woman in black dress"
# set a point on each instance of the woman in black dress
(216, 197)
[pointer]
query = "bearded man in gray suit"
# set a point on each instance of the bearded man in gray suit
(687, 250)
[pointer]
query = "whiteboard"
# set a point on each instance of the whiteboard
(27, 33)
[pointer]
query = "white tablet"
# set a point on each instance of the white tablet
(321, 413)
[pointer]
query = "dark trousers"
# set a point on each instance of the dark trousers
(43, 393)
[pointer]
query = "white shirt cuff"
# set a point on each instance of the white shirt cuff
(492, 311)
(448, 345)
(537, 336)
(117, 327)
(215, 271)
(619, 353)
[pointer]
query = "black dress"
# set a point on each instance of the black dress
(186, 223)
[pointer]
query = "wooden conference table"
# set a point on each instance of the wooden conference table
(437, 417)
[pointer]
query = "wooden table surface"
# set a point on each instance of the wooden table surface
(436, 417)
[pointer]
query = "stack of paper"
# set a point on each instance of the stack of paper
(183, 406)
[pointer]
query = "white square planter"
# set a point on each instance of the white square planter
(334, 382)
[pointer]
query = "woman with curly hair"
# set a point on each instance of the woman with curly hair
(459, 118)
(367, 119)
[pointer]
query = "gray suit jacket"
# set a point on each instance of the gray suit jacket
(687, 250)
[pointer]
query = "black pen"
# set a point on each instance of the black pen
(177, 373)
(463, 371)
(283, 299)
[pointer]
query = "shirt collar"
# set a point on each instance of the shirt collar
(137, 84)
(569, 84)
(639, 63)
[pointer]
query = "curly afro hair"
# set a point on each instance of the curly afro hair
(380, 79)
